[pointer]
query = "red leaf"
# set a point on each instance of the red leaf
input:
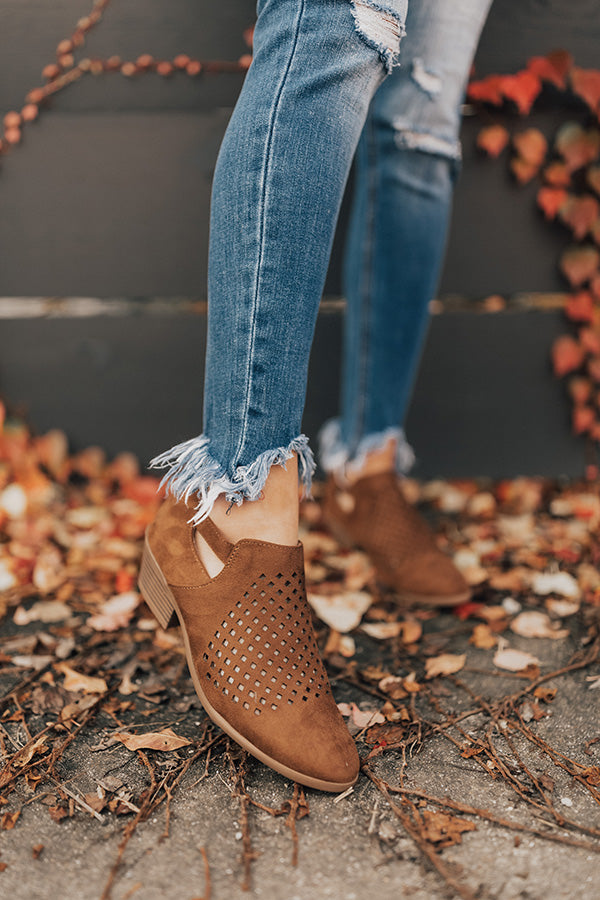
(580, 307)
(595, 231)
(567, 355)
(586, 84)
(493, 139)
(583, 419)
(464, 610)
(553, 67)
(580, 213)
(579, 264)
(522, 88)
(550, 200)
(486, 90)
(590, 341)
(557, 174)
(580, 390)
(522, 170)
(577, 146)
(531, 145)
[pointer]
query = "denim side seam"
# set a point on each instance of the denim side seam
(261, 219)
(192, 469)
(366, 285)
(381, 28)
(335, 455)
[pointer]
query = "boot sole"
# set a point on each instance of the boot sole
(163, 604)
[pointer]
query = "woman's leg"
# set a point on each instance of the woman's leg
(282, 168)
(406, 164)
(278, 185)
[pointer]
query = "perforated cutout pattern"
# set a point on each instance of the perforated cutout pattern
(264, 653)
(396, 529)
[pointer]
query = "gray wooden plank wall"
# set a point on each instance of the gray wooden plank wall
(108, 197)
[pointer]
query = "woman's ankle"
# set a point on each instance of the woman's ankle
(375, 462)
(274, 517)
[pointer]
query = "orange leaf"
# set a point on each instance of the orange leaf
(531, 145)
(583, 419)
(483, 637)
(590, 341)
(493, 139)
(579, 213)
(577, 146)
(579, 264)
(586, 84)
(580, 307)
(487, 90)
(550, 200)
(595, 231)
(522, 170)
(557, 174)
(580, 390)
(522, 88)
(567, 355)
(592, 176)
(553, 67)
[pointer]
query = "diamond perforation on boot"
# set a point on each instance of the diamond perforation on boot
(271, 616)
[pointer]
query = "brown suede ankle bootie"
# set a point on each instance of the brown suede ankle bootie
(250, 646)
(373, 515)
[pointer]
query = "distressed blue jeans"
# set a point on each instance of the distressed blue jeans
(329, 79)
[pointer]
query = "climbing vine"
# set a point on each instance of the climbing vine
(65, 69)
(568, 172)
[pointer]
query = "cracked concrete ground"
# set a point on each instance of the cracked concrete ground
(352, 848)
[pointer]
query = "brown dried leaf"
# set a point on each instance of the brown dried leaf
(443, 828)
(58, 812)
(75, 681)
(547, 694)
(342, 612)
(483, 637)
(116, 612)
(23, 758)
(535, 624)
(165, 740)
(513, 660)
(444, 664)
(9, 820)
(388, 735)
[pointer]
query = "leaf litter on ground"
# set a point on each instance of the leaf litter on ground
(82, 657)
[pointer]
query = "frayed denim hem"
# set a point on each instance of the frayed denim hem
(192, 470)
(334, 455)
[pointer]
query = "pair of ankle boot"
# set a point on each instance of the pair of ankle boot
(248, 633)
